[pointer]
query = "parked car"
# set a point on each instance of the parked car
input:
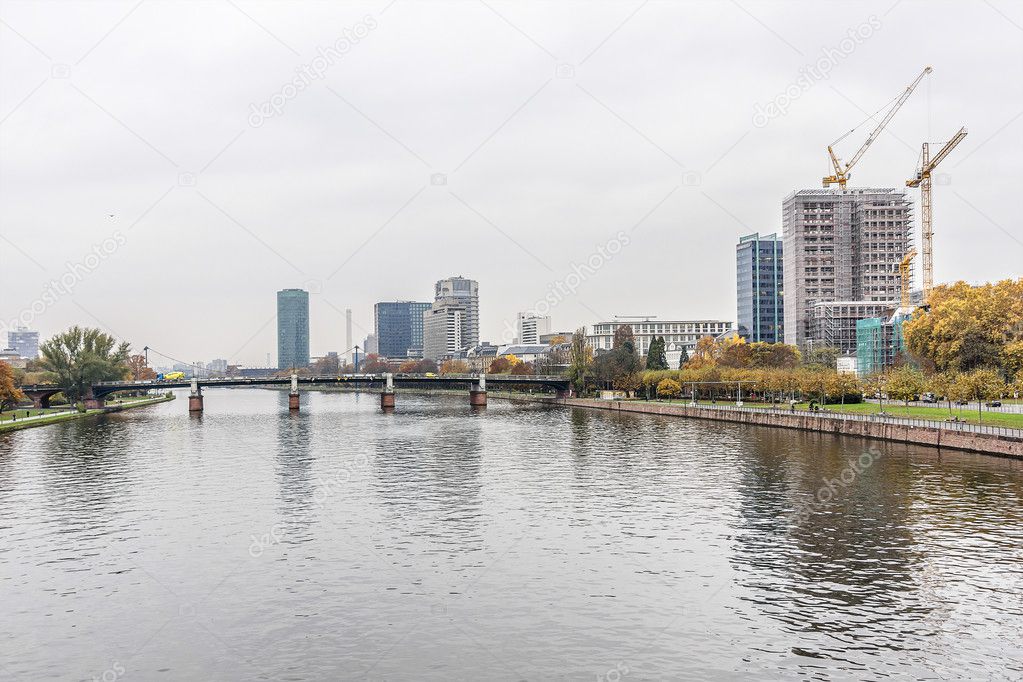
(929, 398)
(962, 402)
(994, 403)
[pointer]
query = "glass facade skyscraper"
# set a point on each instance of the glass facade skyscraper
(292, 328)
(399, 328)
(759, 279)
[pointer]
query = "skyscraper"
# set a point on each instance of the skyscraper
(398, 326)
(841, 245)
(443, 324)
(758, 280)
(25, 341)
(459, 291)
(292, 328)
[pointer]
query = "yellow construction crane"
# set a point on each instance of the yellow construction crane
(905, 274)
(842, 172)
(923, 181)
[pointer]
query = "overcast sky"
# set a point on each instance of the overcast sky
(505, 141)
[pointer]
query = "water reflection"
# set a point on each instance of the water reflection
(437, 541)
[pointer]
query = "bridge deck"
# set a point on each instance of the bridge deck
(107, 387)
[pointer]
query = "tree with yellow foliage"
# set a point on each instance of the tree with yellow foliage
(970, 327)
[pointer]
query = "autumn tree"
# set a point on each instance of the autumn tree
(140, 371)
(81, 357)
(374, 364)
(454, 367)
(735, 353)
(705, 354)
(970, 327)
(765, 355)
(10, 395)
(982, 384)
(905, 383)
(500, 365)
(522, 369)
(669, 388)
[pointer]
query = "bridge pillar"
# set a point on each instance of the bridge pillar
(91, 401)
(40, 401)
(478, 393)
(387, 396)
(293, 399)
(195, 397)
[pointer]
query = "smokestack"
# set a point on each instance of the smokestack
(348, 332)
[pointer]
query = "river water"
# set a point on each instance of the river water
(518, 542)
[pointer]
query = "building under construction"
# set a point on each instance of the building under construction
(841, 245)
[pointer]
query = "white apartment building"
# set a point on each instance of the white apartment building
(679, 332)
(531, 327)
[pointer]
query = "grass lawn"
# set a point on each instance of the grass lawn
(940, 413)
(63, 414)
(7, 415)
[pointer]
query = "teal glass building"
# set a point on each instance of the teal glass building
(292, 328)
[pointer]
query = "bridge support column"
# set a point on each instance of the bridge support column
(92, 402)
(195, 397)
(478, 393)
(40, 401)
(293, 399)
(387, 396)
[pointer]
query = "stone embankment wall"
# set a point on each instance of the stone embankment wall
(994, 444)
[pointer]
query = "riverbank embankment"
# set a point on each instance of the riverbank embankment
(957, 436)
(47, 419)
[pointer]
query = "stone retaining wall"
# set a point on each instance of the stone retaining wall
(1005, 446)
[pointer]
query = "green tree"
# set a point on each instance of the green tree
(655, 357)
(83, 356)
(683, 358)
(625, 360)
(823, 357)
(580, 359)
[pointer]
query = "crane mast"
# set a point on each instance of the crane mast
(905, 275)
(924, 182)
(841, 175)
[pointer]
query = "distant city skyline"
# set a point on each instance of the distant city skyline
(517, 168)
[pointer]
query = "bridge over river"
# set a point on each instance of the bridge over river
(386, 383)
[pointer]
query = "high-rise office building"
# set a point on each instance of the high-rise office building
(24, 341)
(531, 327)
(841, 245)
(443, 326)
(459, 291)
(398, 326)
(758, 280)
(292, 328)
